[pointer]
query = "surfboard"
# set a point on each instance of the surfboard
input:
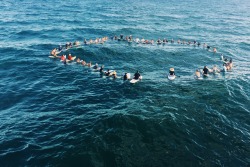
(198, 78)
(135, 80)
(171, 77)
(54, 57)
(73, 58)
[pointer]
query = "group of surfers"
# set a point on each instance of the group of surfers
(69, 45)
(160, 41)
(227, 65)
(66, 59)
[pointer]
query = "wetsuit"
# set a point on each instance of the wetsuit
(137, 75)
(171, 73)
(208, 47)
(205, 71)
(95, 67)
(125, 77)
(101, 70)
(107, 73)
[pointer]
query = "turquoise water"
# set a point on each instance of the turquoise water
(57, 115)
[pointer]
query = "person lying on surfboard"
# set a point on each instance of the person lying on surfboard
(137, 75)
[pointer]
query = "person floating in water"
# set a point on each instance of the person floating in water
(137, 75)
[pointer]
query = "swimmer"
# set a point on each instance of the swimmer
(152, 41)
(95, 66)
(198, 43)
(172, 40)
(178, 41)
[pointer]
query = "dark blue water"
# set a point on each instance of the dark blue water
(57, 115)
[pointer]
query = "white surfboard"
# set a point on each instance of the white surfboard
(135, 80)
(198, 78)
(54, 57)
(171, 77)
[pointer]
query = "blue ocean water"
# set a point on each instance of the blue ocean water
(53, 114)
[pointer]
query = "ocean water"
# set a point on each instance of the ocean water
(53, 114)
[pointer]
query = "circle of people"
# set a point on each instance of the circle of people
(227, 64)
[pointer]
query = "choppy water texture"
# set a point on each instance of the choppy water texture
(57, 115)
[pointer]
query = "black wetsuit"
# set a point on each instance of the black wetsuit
(199, 44)
(95, 67)
(137, 75)
(125, 77)
(107, 73)
(171, 73)
(121, 36)
(205, 71)
(208, 47)
(101, 70)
